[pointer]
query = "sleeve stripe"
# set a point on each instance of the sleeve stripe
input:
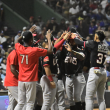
(46, 65)
(84, 44)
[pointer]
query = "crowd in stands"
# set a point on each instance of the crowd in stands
(87, 16)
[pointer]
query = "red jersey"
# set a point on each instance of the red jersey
(10, 79)
(28, 58)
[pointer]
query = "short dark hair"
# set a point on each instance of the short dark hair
(101, 35)
(27, 36)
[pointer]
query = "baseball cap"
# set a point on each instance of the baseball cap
(66, 22)
(19, 31)
(24, 28)
(27, 36)
(52, 18)
(80, 18)
(84, 13)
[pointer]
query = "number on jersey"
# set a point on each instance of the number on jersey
(71, 60)
(100, 58)
(24, 56)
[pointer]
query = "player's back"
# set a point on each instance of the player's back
(98, 54)
(28, 58)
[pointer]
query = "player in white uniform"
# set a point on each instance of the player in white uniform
(97, 74)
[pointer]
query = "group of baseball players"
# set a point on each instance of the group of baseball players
(34, 75)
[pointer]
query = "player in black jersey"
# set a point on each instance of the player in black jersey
(59, 101)
(97, 74)
(49, 79)
(73, 67)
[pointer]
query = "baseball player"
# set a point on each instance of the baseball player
(11, 79)
(49, 79)
(97, 73)
(71, 68)
(39, 93)
(59, 102)
(28, 58)
(75, 80)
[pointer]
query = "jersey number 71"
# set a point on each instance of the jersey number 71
(24, 56)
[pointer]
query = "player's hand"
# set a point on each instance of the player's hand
(52, 85)
(64, 33)
(68, 47)
(48, 35)
(33, 28)
(67, 35)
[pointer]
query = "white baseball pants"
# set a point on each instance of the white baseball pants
(26, 95)
(96, 83)
(74, 88)
(48, 93)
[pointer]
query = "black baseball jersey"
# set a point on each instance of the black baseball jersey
(50, 60)
(87, 58)
(98, 53)
(60, 64)
(40, 68)
(72, 64)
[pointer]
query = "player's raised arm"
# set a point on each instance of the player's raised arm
(76, 54)
(32, 29)
(59, 44)
(48, 36)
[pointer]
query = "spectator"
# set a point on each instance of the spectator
(59, 5)
(5, 29)
(3, 65)
(47, 23)
(73, 12)
(0, 58)
(53, 3)
(93, 5)
(65, 8)
(59, 34)
(107, 34)
(18, 35)
(99, 15)
(40, 22)
(38, 30)
(83, 28)
(108, 15)
(62, 25)
(2, 38)
(72, 2)
(53, 26)
(96, 11)
(1, 84)
(67, 25)
(92, 29)
(24, 29)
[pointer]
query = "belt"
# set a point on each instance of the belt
(54, 75)
(70, 76)
(96, 68)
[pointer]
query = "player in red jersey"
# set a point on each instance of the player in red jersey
(11, 79)
(28, 58)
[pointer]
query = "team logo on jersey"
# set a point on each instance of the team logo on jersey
(46, 59)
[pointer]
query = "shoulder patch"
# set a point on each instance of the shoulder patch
(46, 59)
